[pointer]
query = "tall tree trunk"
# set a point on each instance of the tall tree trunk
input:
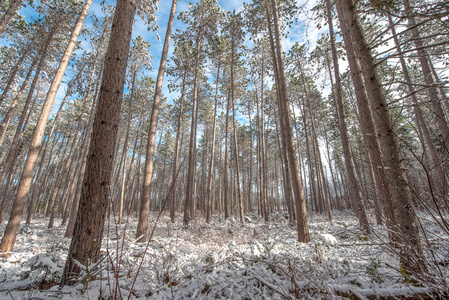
(188, 207)
(250, 176)
(87, 141)
(236, 149)
(286, 169)
(176, 166)
(301, 214)
(407, 240)
(44, 152)
(418, 111)
(428, 77)
(313, 189)
(226, 163)
(212, 160)
(8, 162)
(125, 150)
(356, 196)
(262, 167)
(260, 159)
(8, 115)
(13, 155)
(12, 228)
(89, 224)
(142, 225)
(63, 177)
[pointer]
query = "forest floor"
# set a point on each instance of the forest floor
(224, 260)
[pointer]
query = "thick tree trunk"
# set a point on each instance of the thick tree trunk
(407, 240)
(89, 224)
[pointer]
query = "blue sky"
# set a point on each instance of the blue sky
(162, 20)
(299, 32)
(140, 29)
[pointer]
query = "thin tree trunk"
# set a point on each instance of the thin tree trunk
(212, 160)
(226, 164)
(12, 228)
(10, 12)
(177, 149)
(142, 225)
(13, 74)
(250, 176)
(428, 78)
(125, 150)
(190, 184)
(7, 118)
(260, 160)
(8, 169)
(236, 149)
(418, 111)
(286, 168)
(301, 214)
(63, 178)
(44, 152)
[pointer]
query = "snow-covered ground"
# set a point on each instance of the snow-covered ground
(224, 260)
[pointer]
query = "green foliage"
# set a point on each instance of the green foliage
(363, 238)
(373, 270)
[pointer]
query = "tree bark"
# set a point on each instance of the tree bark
(142, 225)
(177, 149)
(23, 190)
(428, 77)
(13, 74)
(89, 224)
(356, 196)
(418, 111)
(10, 12)
(236, 149)
(407, 240)
(301, 214)
(226, 164)
(212, 161)
(8, 115)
